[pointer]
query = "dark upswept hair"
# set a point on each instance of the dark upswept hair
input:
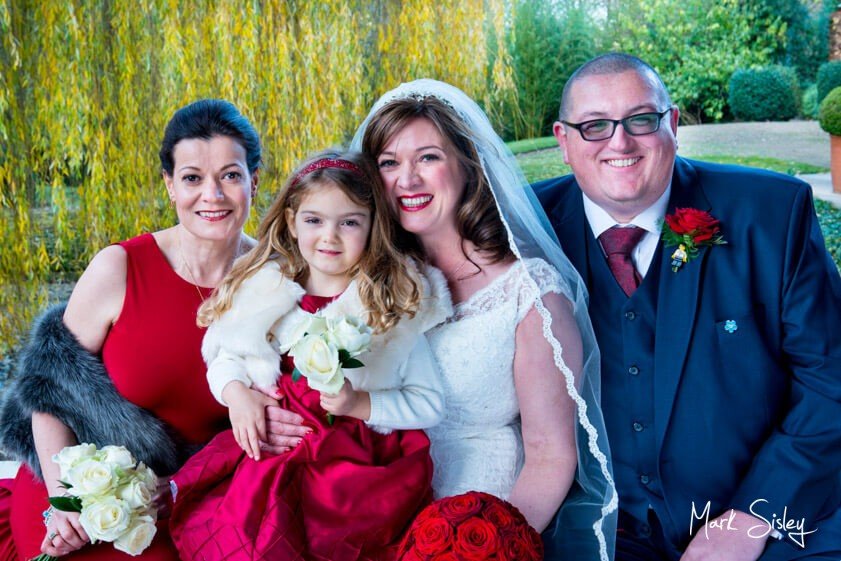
(477, 218)
(387, 287)
(205, 119)
(613, 63)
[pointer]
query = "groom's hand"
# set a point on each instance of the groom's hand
(726, 539)
(284, 430)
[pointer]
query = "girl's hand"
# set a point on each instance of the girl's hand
(348, 402)
(64, 534)
(271, 391)
(247, 410)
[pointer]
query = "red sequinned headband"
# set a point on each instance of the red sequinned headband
(325, 163)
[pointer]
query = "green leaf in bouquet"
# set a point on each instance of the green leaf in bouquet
(65, 484)
(343, 356)
(67, 504)
(296, 375)
(352, 363)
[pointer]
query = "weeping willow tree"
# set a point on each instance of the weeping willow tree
(86, 89)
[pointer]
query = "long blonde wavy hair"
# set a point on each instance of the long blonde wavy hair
(387, 287)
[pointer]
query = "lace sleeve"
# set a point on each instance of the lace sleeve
(537, 279)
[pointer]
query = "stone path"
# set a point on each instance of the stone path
(800, 141)
(822, 188)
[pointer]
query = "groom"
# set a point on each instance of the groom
(721, 362)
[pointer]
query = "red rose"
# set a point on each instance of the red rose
(534, 543)
(430, 511)
(446, 556)
(458, 508)
(500, 515)
(431, 536)
(692, 221)
(515, 548)
(411, 555)
(476, 540)
(704, 235)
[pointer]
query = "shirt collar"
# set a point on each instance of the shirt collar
(649, 220)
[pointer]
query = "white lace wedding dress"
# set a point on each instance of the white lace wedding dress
(479, 445)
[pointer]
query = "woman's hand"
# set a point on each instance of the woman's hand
(64, 534)
(162, 496)
(247, 410)
(285, 430)
(348, 402)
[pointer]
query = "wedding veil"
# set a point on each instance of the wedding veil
(585, 525)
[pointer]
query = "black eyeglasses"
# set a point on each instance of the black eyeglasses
(635, 125)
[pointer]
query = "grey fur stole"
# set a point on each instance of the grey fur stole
(56, 375)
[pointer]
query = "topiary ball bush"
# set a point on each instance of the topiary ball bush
(829, 78)
(770, 93)
(829, 114)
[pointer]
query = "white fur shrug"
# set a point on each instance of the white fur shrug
(400, 373)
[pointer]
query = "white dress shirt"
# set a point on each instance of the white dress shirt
(649, 220)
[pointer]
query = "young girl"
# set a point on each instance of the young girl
(350, 488)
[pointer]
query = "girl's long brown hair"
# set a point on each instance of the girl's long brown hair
(387, 287)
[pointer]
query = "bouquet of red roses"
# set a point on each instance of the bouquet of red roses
(471, 527)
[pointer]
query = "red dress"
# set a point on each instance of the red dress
(7, 545)
(153, 355)
(346, 493)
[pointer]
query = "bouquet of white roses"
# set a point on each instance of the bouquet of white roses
(324, 347)
(112, 491)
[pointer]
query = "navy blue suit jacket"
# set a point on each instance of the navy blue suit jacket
(754, 414)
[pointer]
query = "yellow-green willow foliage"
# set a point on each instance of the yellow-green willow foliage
(87, 87)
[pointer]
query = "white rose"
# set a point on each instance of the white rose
(118, 456)
(311, 325)
(318, 360)
(72, 454)
(136, 493)
(351, 334)
(105, 519)
(138, 536)
(145, 474)
(91, 477)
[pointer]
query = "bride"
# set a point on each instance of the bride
(519, 359)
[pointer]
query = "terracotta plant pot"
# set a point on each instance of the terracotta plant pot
(835, 161)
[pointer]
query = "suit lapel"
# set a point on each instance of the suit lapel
(677, 303)
(573, 231)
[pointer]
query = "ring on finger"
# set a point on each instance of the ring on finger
(52, 536)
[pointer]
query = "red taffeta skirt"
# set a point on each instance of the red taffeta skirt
(346, 493)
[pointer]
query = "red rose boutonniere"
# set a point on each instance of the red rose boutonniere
(690, 229)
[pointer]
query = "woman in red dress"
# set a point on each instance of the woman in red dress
(121, 364)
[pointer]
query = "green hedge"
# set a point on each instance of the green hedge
(809, 107)
(829, 114)
(829, 78)
(769, 93)
(830, 220)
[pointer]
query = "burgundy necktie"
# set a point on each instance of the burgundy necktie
(618, 243)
